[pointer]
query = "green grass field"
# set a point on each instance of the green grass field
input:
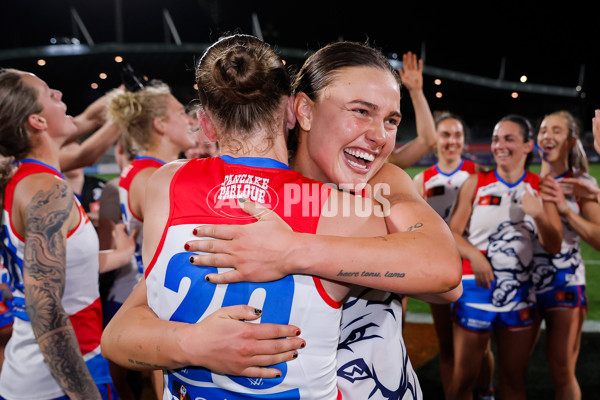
(590, 256)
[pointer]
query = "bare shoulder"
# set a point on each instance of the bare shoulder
(345, 214)
(41, 196)
(42, 185)
(390, 173)
(157, 207)
(481, 168)
(165, 173)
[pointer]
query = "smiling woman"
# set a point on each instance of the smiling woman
(356, 115)
(349, 104)
(498, 219)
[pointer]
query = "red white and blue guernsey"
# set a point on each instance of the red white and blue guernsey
(560, 279)
(371, 330)
(506, 235)
(25, 375)
(6, 315)
(372, 359)
(205, 191)
(440, 188)
(127, 277)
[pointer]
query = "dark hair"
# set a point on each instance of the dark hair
(526, 130)
(323, 66)
(17, 102)
(439, 116)
(241, 81)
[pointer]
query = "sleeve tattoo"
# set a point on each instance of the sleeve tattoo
(44, 270)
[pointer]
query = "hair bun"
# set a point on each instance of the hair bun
(239, 75)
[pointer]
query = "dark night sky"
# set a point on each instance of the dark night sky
(550, 45)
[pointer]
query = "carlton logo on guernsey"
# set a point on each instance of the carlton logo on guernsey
(178, 291)
(81, 300)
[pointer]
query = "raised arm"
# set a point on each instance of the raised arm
(94, 116)
(91, 149)
(412, 79)
(47, 217)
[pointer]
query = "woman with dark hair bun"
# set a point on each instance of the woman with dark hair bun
(244, 89)
(345, 114)
(498, 218)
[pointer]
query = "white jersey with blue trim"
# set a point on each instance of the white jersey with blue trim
(372, 359)
(440, 189)
(25, 374)
(500, 229)
(566, 268)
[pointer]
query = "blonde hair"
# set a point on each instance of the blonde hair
(134, 113)
(577, 161)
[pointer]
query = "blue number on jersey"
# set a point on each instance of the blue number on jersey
(276, 300)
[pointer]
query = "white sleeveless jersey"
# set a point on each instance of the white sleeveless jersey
(372, 359)
(205, 191)
(440, 189)
(566, 268)
(506, 235)
(127, 277)
(25, 375)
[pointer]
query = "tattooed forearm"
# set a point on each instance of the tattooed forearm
(45, 257)
(370, 274)
(415, 226)
(138, 363)
(44, 266)
(67, 366)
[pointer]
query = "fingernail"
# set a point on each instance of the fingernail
(298, 332)
(278, 376)
(303, 345)
(191, 259)
(187, 247)
(195, 231)
(242, 200)
(207, 278)
(295, 355)
(257, 311)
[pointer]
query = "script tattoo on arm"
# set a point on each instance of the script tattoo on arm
(415, 226)
(44, 272)
(145, 364)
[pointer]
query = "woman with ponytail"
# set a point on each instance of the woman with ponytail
(50, 249)
(559, 279)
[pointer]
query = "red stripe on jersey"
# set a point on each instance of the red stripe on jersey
(325, 295)
(131, 171)
(87, 324)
